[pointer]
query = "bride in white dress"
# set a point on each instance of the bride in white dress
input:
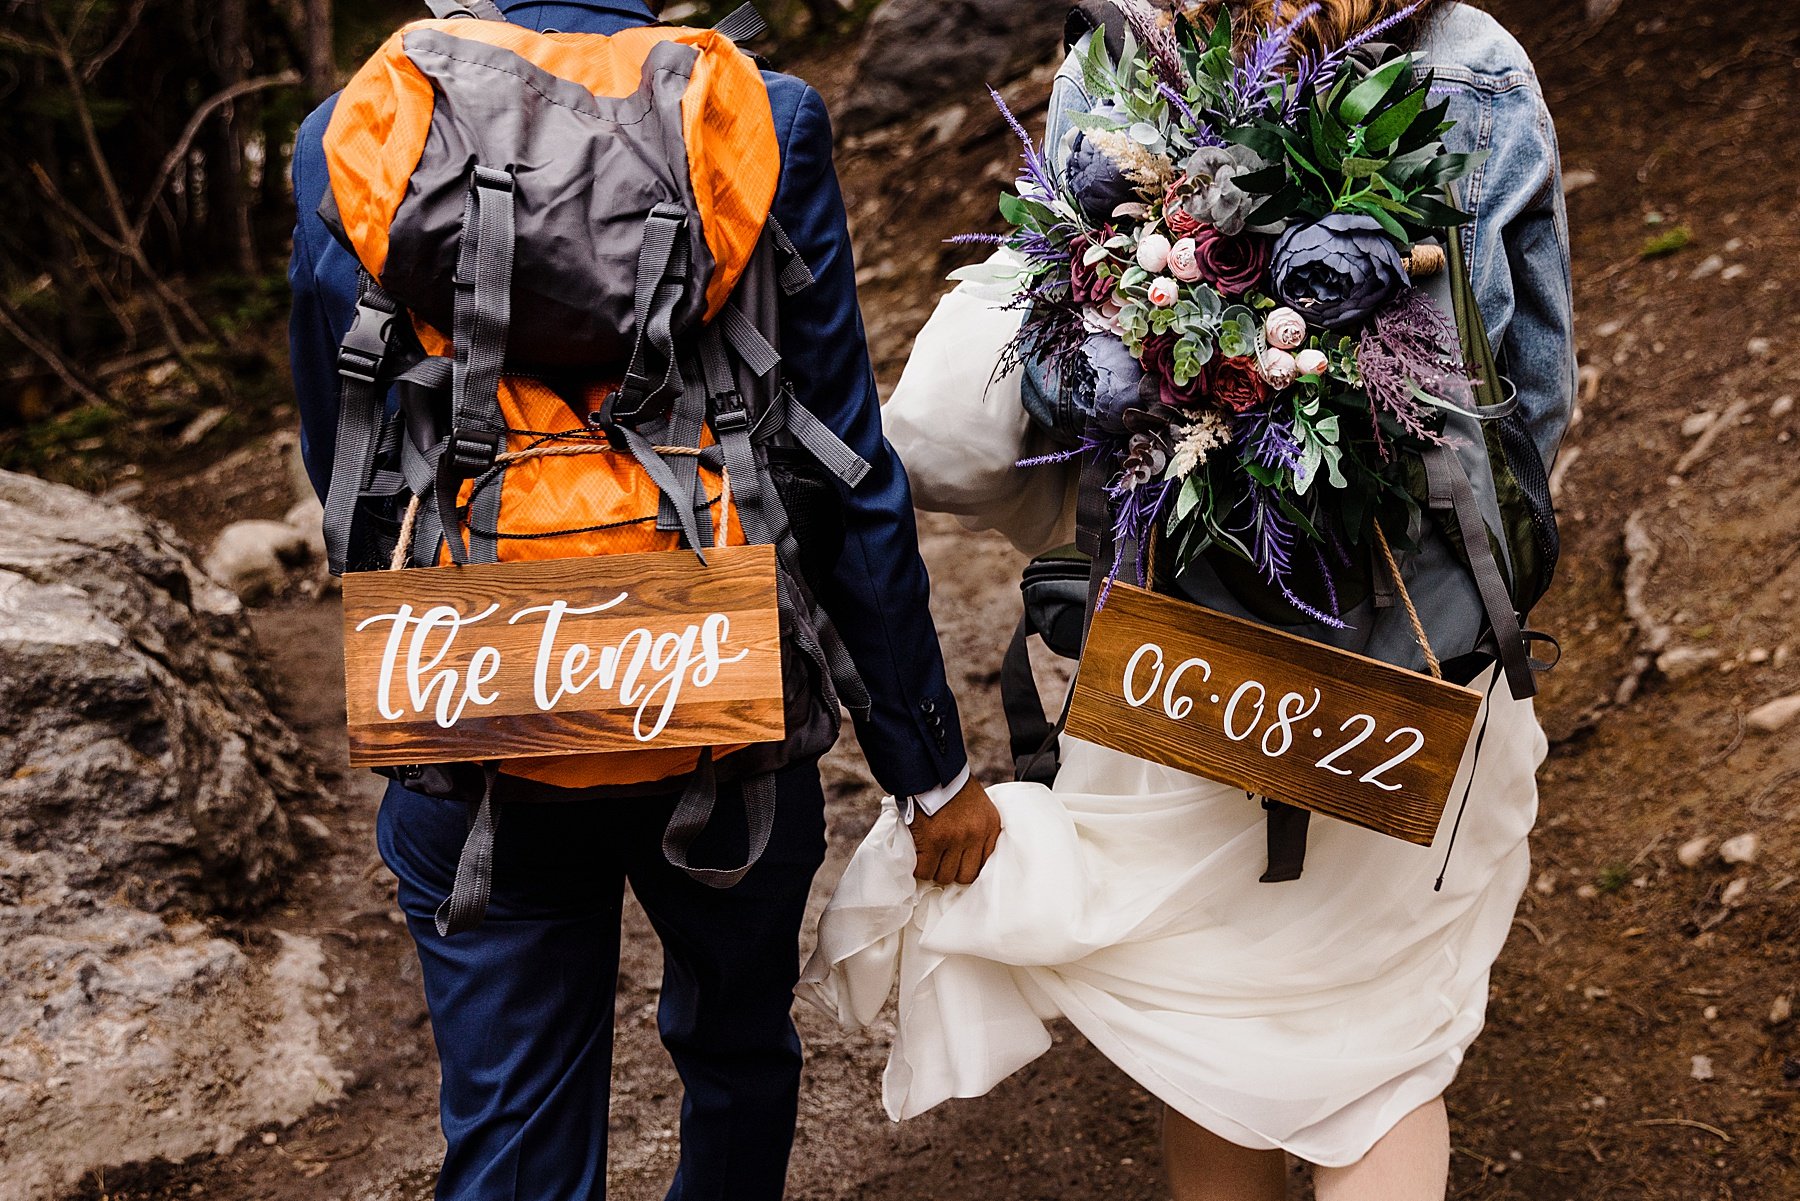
(1321, 1017)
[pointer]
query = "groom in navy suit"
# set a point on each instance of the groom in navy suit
(522, 1006)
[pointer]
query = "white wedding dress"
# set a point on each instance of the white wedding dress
(1310, 1015)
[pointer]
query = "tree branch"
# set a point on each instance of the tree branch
(185, 142)
(71, 375)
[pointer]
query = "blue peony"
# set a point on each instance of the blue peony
(1339, 270)
(1116, 380)
(1095, 178)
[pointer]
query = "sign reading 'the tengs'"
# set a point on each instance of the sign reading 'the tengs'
(564, 656)
(1273, 714)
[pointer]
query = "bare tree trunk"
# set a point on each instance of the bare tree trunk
(321, 64)
(230, 204)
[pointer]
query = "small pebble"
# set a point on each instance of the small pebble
(1702, 1068)
(1760, 348)
(1696, 424)
(1587, 892)
(1758, 655)
(270, 1138)
(1693, 852)
(1781, 1010)
(1741, 849)
(1734, 892)
(1782, 407)
(1776, 714)
(1546, 884)
(1710, 1013)
(1735, 271)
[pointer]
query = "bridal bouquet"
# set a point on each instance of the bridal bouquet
(1221, 279)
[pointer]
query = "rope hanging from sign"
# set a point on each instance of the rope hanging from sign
(1412, 614)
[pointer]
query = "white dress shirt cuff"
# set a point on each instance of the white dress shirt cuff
(932, 799)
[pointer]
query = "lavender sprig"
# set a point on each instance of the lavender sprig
(1261, 68)
(1313, 67)
(1036, 169)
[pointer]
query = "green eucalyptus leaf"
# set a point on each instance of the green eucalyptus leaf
(1362, 168)
(1387, 222)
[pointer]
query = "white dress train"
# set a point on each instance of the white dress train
(1310, 1015)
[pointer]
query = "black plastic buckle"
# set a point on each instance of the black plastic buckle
(473, 451)
(365, 343)
(730, 414)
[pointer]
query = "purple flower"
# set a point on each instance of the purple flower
(1338, 270)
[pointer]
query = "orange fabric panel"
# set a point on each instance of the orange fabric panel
(734, 159)
(373, 144)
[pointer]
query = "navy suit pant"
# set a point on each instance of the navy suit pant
(522, 1006)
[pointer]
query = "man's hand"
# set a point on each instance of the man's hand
(953, 846)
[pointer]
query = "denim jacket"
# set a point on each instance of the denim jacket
(1518, 244)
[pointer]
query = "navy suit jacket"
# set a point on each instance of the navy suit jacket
(879, 596)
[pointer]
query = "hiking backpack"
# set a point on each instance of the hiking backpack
(1480, 555)
(571, 282)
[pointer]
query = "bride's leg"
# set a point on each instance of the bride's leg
(1204, 1167)
(1410, 1163)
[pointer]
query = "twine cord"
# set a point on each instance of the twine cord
(1412, 614)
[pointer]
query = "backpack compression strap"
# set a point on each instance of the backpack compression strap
(362, 360)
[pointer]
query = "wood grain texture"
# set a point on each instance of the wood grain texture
(477, 665)
(1181, 717)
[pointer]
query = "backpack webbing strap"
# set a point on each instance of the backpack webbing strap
(694, 810)
(795, 275)
(653, 376)
(748, 341)
(361, 357)
(467, 903)
(687, 422)
(765, 522)
(1451, 492)
(663, 476)
(742, 24)
(820, 441)
(483, 317)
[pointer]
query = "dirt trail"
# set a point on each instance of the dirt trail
(1625, 966)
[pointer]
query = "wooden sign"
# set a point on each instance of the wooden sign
(1276, 715)
(609, 653)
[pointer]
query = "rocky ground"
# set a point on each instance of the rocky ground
(1641, 1041)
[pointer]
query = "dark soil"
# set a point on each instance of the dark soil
(1625, 965)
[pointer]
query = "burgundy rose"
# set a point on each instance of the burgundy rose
(1159, 362)
(1232, 265)
(1234, 383)
(1085, 281)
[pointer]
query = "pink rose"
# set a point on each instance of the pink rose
(1153, 253)
(1285, 329)
(1279, 367)
(1163, 291)
(1311, 362)
(1184, 262)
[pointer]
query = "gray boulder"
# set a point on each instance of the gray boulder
(920, 55)
(142, 785)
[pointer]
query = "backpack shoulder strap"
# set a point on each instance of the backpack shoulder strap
(1091, 15)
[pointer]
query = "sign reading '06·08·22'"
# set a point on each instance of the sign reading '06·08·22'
(565, 656)
(1273, 714)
